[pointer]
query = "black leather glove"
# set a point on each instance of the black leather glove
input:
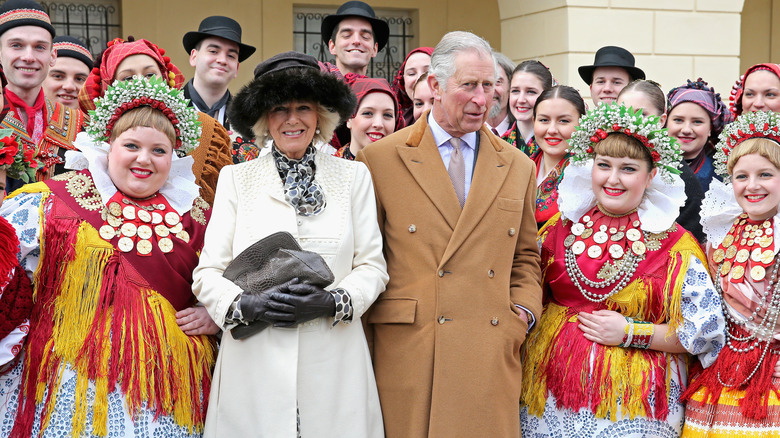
(254, 306)
(301, 302)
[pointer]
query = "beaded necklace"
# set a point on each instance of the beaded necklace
(748, 237)
(621, 237)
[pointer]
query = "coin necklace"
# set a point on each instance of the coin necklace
(140, 225)
(764, 331)
(626, 262)
(746, 242)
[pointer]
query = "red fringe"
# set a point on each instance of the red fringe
(16, 302)
(570, 381)
(736, 367)
(59, 244)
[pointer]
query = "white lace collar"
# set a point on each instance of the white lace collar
(179, 189)
(657, 211)
(719, 209)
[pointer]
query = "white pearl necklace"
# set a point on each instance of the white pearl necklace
(627, 269)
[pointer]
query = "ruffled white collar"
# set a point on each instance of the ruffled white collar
(179, 189)
(719, 209)
(657, 211)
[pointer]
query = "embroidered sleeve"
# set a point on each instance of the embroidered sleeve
(343, 306)
(23, 212)
(703, 329)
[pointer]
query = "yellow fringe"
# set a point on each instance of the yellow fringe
(680, 256)
(534, 391)
(632, 299)
(542, 233)
(75, 311)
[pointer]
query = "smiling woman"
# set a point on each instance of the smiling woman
(114, 248)
(628, 295)
(309, 335)
(375, 116)
(123, 60)
(738, 394)
(556, 112)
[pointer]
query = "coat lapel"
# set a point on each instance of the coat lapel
(422, 158)
(492, 168)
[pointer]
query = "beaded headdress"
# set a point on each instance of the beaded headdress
(759, 124)
(605, 119)
(126, 95)
(18, 160)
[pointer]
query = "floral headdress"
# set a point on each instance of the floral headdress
(759, 124)
(126, 95)
(17, 160)
(608, 118)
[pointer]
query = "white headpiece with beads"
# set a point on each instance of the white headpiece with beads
(662, 200)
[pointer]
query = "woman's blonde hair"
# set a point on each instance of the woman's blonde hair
(327, 121)
(145, 116)
(761, 146)
(621, 145)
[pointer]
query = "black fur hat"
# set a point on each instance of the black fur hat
(288, 77)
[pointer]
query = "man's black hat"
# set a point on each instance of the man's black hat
(611, 56)
(360, 10)
(222, 27)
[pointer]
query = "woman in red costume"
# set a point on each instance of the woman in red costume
(738, 394)
(111, 248)
(628, 295)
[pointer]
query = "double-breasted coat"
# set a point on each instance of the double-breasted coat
(321, 370)
(446, 335)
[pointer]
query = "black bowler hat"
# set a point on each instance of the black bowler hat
(611, 56)
(15, 13)
(356, 9)
(222, 27)
(72, 47)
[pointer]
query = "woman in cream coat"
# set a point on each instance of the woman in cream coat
(309, 374)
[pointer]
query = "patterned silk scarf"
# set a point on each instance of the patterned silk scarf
(300, 189)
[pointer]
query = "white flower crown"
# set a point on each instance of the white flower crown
(608, 118)
(759, 124)
(122, 96)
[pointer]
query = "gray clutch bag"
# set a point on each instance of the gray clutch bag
(272, 261)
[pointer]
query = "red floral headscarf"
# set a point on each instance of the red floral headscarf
(102, 75)
(404, 100)
(735, 99)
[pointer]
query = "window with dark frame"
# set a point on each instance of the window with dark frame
(94, 23)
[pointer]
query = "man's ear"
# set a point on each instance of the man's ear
(435, 86)
(193, 56)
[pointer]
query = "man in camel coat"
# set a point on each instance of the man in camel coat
(456, 209)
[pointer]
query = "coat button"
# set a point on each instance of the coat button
(412, 228)
(511, 231)
(491, 274)
(441, 273)
(494, 321)
(442, 319)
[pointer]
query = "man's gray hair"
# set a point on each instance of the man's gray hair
(450, 46)
(502, 61)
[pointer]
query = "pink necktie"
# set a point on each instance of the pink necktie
(457, 171)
